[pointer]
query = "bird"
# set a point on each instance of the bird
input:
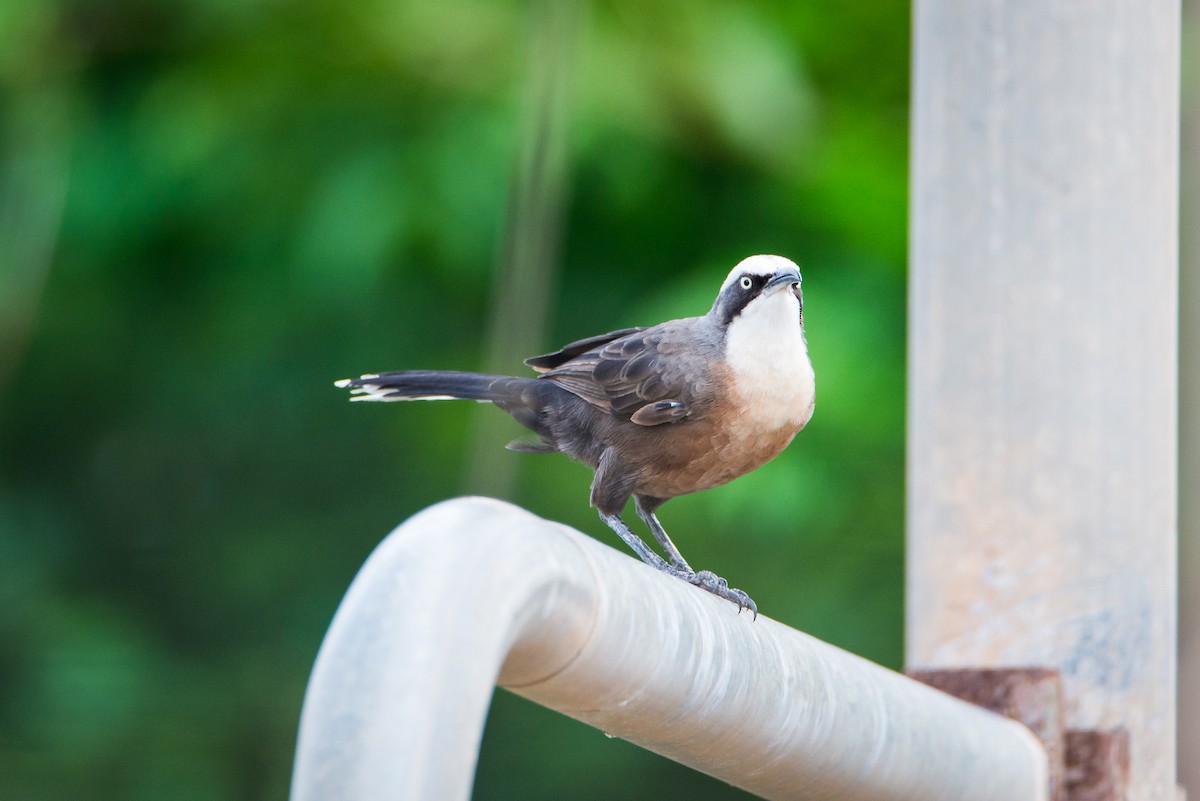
(660, 411)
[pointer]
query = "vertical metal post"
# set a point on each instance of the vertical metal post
(1189, 423)
(1042, 363)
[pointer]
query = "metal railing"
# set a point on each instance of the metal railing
(472, 593)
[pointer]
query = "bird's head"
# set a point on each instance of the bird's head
(765, 289)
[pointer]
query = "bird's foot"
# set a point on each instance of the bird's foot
(707, 580)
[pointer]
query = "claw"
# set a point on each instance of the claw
(707, 580)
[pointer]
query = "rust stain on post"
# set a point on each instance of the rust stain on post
(1098, 765)
(1033, 696)
(1084, 765)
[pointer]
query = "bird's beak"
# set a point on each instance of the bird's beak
(786, 278)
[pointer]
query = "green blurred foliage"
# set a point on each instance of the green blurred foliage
(210, 209)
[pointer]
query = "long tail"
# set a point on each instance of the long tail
(523, 398)
(436, 385)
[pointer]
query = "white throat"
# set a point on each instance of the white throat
(772, 376)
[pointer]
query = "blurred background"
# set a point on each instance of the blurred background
(211, 209)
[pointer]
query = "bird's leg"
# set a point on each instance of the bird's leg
(646, 513)
(642, 549)
(705, 579)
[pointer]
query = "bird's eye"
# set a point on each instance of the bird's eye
(746, 282)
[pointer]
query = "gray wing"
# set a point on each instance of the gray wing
(577, 348)
(639, 376)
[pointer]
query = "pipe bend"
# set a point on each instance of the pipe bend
(473, 592)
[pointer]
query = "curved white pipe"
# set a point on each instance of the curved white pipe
(474, 592)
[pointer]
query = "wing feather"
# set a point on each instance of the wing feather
(567, 352)
(626, 372)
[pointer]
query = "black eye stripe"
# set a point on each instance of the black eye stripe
(756, 281)
(735, 297)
